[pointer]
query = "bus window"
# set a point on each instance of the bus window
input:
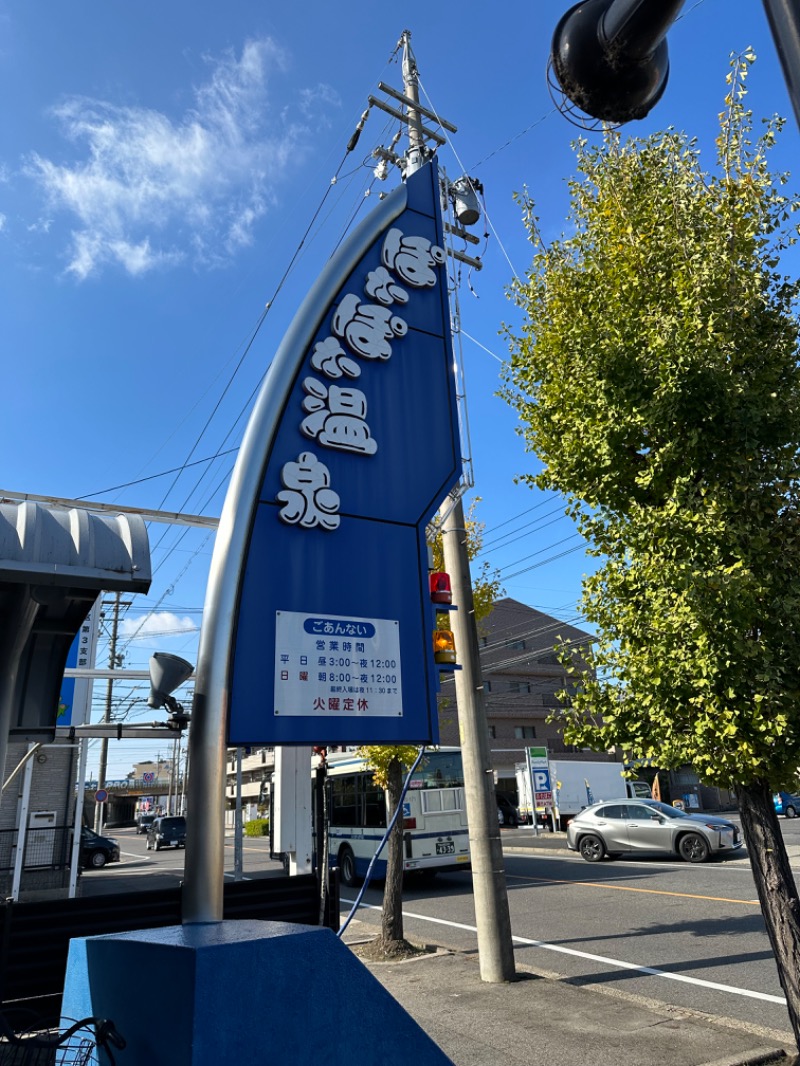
(439, 769)
(435, 834)
(374, 805)
(443, 800)
(344, 801)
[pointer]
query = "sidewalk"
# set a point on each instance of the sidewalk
(540, 1021)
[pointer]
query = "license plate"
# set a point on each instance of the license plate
(448, 848)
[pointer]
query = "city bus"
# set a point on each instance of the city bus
(435, 835)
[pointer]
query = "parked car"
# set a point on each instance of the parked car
(786, 804)
(168, 831)
(507, 813)
(143, 822)
(611, 829)
(97, 850)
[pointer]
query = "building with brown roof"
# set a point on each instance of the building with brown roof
(521, 675)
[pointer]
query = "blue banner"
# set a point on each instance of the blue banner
(357, 439)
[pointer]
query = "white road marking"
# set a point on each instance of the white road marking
(619, 963)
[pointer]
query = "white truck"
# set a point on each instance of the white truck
(576, 785)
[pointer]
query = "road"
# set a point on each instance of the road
(690, 936)
(139, 868)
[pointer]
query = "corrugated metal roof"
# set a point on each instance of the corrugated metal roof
(49, 545)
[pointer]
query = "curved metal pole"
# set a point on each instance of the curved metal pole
(784, 22)
(205, 836)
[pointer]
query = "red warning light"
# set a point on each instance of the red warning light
(440, 588)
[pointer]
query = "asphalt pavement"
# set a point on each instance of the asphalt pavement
(540, 1019)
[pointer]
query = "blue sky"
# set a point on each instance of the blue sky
(160, 165)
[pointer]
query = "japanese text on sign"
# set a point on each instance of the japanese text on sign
(336, 415)
(336, 667)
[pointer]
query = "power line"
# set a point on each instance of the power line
(154, 477)
(524, 531)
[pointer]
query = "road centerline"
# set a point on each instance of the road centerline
(630, 888)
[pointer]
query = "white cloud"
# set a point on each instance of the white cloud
(152, 192)
(159, 624)
(2, 222)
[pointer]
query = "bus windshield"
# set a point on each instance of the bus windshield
(439, 769)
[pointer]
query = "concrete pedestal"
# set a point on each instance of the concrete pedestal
(241, 992)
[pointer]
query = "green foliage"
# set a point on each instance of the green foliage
(379, 757)
(656, 378)
(257, 827)
(486, 587)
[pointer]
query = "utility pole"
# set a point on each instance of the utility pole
(113, 663)
(237, 824)
(495, 948)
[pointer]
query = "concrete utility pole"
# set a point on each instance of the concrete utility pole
(112, 665)
(237, 823)
(495, 946)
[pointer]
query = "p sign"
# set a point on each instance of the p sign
(541, 781)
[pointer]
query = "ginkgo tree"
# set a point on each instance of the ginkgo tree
(656, 378)
(390, 763)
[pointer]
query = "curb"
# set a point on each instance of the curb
(756, 1057)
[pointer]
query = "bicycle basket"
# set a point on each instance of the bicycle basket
(72, 1046)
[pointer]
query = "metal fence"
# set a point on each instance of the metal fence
(46, 848)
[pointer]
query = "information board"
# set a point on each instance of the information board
(337, 666)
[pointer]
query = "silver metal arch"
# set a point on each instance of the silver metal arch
(205, 843)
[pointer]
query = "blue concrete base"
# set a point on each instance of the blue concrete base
(241, 992)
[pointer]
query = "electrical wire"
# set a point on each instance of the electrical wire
(154, 477)
(534, 526)
(496, 235)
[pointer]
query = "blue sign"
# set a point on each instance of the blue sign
(355, 443)
(541, 781)
(66, 697)
(76, 690)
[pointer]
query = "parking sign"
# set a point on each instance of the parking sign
(541, 780)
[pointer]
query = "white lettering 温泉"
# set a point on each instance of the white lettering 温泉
(335, 417)
(307, 498)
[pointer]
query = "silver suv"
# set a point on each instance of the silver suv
(610, 829)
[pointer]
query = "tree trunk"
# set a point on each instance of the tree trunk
(392, 915)
(776, 889)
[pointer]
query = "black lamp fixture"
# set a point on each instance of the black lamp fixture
(168, 672)
(610, 57)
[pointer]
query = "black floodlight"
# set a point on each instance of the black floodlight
(610, 58)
